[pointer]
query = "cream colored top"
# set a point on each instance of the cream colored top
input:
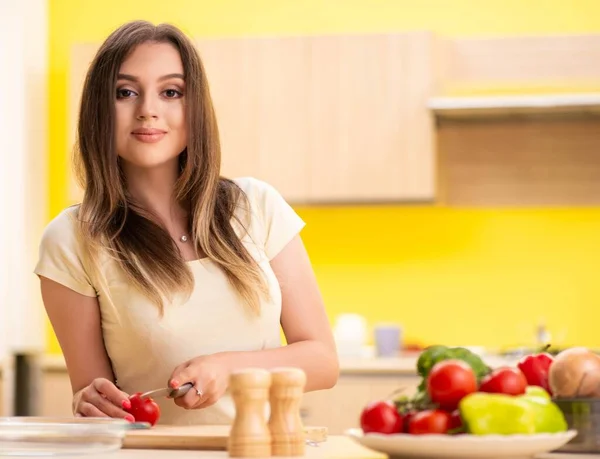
(144, 349)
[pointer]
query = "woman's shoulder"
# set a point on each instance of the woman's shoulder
(60, 255)
(274, 221)
(253, 187)
(61, 235)
(62, 227)
(262, 195)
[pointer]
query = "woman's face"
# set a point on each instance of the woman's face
(150, 107)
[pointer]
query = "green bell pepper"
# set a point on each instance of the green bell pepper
(537, 391)
(531, 413)
(549, 418)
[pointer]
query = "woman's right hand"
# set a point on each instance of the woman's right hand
(102, 398)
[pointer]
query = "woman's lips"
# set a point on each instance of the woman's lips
(149, 135)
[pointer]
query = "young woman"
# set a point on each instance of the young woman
(168, 273)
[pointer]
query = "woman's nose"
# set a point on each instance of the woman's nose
(147, 108)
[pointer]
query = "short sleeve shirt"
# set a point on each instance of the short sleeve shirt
(145, 348)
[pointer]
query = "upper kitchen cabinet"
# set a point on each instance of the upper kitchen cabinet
(371, 136)
(340, 118)
(258, 87)
(518, 123)
(404, 117)
(324, 119)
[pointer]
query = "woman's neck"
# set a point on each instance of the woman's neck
(153, 189)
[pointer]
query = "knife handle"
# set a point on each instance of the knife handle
(181, 390)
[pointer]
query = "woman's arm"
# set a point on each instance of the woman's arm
(75, 319)
(311, 345)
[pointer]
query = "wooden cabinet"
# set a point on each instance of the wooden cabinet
(339, 408)
(54, 398)
(500, 145)
(324, 119)
(258, 90)
(371, 133)
(351, 118)
(328, 118)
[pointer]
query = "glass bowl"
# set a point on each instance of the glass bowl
(44, 436)
(583, 415)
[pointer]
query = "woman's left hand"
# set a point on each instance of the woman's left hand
(210, 376)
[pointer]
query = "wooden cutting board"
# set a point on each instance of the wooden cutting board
(212, 437)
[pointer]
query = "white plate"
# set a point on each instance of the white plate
(462, 446)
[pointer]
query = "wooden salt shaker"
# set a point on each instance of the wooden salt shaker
(287, 430)
(250, 435)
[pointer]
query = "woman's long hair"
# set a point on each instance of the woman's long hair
(109, 219)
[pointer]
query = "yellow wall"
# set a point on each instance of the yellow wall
(420, 266)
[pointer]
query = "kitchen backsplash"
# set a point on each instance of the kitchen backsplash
(478, 277)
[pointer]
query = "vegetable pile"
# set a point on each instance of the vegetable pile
(460, 394)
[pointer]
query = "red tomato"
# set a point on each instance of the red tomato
(449, 381)
(382, 417)
(456, 423)
(429, 422)
(407, 417)
(144, 409)
(505, 380)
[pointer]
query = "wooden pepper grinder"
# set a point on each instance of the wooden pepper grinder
(250, 435)
(287, 431)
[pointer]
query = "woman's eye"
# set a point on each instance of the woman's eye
(172, 93)
(124, 93)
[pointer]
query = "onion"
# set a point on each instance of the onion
(575, 373)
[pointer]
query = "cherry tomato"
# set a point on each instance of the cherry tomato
(429, 422)
(407, 417)
(505, 380)
(381, 416)
(144, 409)
(449, 381)
(456, 424)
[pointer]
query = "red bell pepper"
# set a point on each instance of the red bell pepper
(536, 367)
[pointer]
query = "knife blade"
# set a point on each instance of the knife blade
(168, 392)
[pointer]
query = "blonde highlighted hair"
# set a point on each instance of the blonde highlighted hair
(110, 220)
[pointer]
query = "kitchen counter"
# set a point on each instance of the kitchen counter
(405, 364)
(336, 447)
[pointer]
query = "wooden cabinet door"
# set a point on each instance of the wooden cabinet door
(339, 118)
(371, 133)
(339, 408)
(259, 87)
